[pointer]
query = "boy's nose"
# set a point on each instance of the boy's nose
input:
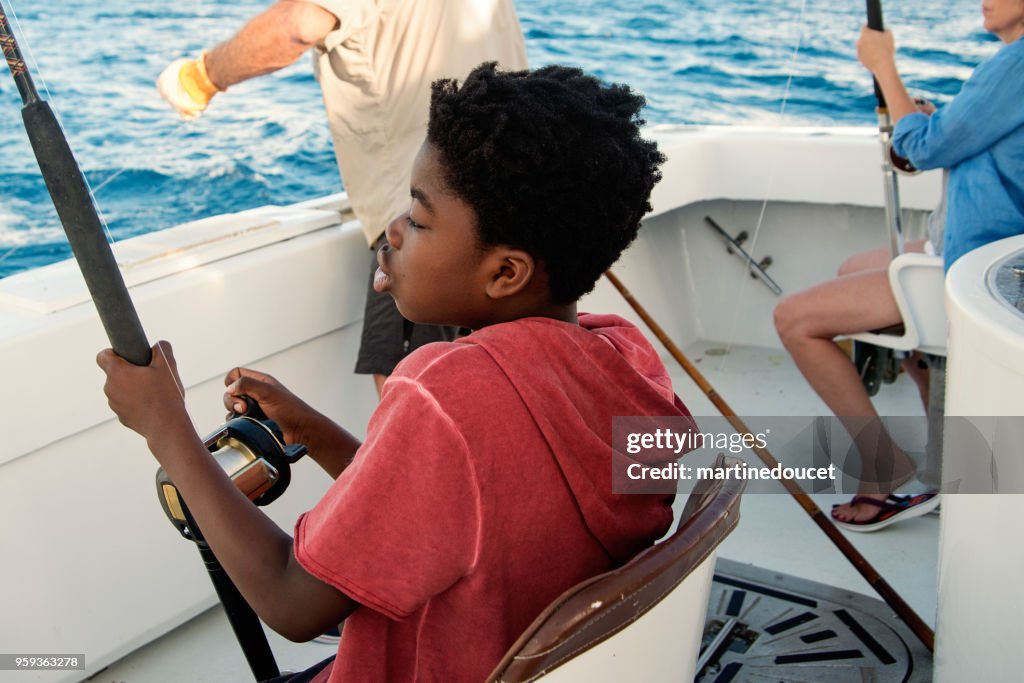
(393, 233)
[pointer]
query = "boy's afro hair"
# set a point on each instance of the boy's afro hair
(551, 161)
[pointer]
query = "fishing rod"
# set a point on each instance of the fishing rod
(76, 210)
(893, 215)
(905, 612)
(249, 447)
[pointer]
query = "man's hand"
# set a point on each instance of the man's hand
(187, 87)
(924, 106)
(876, 50)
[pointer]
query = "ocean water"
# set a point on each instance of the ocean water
(785, 62)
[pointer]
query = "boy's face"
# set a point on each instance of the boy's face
(432, 263)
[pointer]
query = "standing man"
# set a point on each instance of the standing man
(375, 61)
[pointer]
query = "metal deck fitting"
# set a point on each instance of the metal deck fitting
(766, 626)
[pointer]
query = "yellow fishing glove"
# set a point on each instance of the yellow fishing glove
(187, 87)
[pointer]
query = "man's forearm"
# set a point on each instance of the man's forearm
(897, 99)
(270, 41)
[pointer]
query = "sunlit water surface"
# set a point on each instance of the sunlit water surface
(266, 141)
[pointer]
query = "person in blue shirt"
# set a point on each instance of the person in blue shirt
(978, 138)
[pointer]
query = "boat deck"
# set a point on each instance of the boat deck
(774, 532)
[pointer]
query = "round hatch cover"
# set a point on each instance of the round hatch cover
(764, 626)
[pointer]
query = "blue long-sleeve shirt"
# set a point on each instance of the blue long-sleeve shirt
(979, 137)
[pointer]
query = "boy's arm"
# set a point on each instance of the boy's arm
(331, 446)
(254, 551)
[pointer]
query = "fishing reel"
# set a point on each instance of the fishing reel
(901, 164)
(250, 449)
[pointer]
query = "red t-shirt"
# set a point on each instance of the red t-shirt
(482, 492)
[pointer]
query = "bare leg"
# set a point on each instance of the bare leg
(876, 258)
(807, 322)
(378, 381)
(879, 258)
(866, 260)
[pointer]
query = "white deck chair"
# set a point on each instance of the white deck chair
(917, 283)
(643, 621)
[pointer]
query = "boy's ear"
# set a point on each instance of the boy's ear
(512, 271)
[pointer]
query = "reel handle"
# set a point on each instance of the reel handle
(292, 452)
(252, 409)
(902, 164)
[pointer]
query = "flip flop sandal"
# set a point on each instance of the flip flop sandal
(891, 510)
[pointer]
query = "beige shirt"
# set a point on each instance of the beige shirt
(375, 70)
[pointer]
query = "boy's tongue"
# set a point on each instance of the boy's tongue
(381, 281)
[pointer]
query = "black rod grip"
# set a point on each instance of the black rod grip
(875, 15)
(876, 22)
(86, 234)
(243, 619)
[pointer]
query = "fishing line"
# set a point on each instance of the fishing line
(9, 252)
(37, 73)
(801, 23)
(78, 214)
(107, 182)
(26, 50)
(181, 389)
(75, 202)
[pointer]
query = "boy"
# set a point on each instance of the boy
(483, 489)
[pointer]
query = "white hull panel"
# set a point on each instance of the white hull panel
(980, 549)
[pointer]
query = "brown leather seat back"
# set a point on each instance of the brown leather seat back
(594, 610)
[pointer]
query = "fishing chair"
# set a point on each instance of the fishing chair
(644, 620)
(917, 282)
